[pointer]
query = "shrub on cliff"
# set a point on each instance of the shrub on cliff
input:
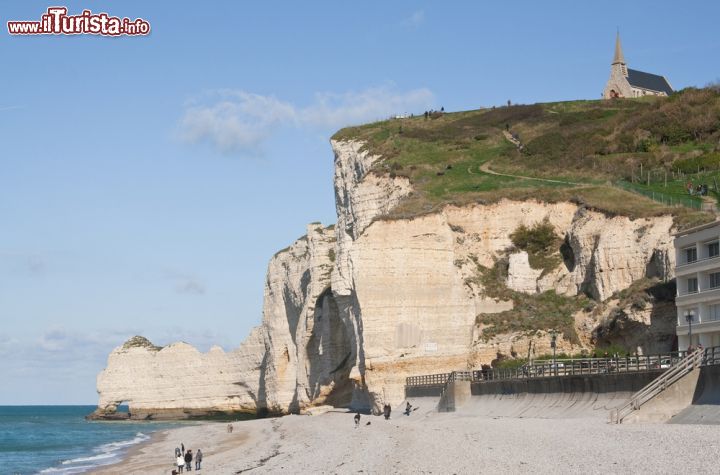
(532, 313)
(540, 242)
(140, 342)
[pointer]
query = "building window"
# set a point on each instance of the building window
(690, 254)
(713, 249)
(692, 286)
(713, 312)
(714, 280)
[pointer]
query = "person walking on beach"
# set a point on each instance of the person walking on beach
(408, 408)
(229, 428)
(188, 460)
(198, 459)
(357, 420)
(386, 411)
(180, 461)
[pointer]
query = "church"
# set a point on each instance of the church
(626, 82)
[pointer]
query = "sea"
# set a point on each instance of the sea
(58, 439)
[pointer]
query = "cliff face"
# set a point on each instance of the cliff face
(350, 311)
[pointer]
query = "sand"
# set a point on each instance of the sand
(430, 442)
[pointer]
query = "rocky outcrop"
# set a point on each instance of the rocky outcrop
(178, 381)
(310, 348)
(522, 277)
(350, 311)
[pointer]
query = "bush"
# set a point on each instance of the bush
(533, 313)
(510, 363)
(611, 350)
(708, 161)
(541, 244)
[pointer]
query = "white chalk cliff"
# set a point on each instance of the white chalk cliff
(352, 309)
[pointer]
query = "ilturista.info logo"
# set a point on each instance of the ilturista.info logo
(56, 21)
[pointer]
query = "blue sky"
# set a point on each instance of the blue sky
(146, 181)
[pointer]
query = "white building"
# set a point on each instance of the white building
(697, 257)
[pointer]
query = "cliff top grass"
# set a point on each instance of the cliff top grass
(587, 148)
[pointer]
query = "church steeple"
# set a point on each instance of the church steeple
(619, 59)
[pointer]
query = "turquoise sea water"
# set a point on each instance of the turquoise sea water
(57, 439)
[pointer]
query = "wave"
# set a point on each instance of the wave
(113, 446)
(105, 454)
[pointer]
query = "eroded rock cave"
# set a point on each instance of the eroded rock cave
(329, 353)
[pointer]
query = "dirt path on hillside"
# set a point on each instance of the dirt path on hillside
(485, 168)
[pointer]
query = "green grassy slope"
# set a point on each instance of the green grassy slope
(652, 144)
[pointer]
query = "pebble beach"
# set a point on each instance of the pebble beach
(430, 442)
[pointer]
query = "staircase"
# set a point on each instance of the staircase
(675, 373)
(447, 401)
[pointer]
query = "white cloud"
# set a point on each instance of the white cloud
(415, 20)
(237, 122)
(352, 108)
(57, 351)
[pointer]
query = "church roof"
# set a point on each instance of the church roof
(649, 81)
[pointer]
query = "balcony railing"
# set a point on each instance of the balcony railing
(701, 259)
(708, 319)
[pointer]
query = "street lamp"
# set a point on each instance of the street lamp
(689, 316)
(553, 345)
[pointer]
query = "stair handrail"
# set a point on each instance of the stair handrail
(683, 367)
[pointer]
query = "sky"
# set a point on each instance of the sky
(146, 181)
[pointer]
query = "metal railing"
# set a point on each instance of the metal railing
(582, 366)
(711, 356)
(697, 291)
(683, 367)
(697, 261)
(560, 367)
(427, 380)
(664, 198)
(676, 364)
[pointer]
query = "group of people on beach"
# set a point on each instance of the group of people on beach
(387, 410)
(184, 459)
